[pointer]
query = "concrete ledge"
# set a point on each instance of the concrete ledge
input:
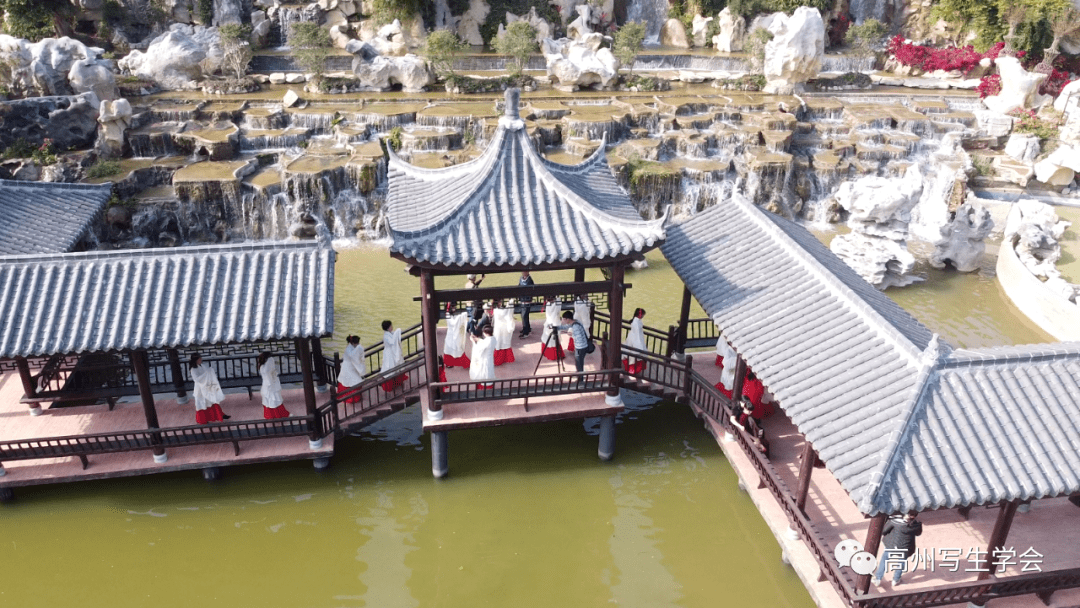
(1049, 310)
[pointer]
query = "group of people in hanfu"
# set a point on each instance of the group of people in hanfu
(754, 405)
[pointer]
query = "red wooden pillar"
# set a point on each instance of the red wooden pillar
(303, 352)
(684, 320)
(29, 388)
(320, 365)
(740, 378)
(429, 309)
(579, 275)
(871, 546)
(177, 375)
(141, 362)
(998, 536)
(809, 457)
(615, 334)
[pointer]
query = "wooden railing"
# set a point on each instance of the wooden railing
(373, 395)
(659, 371)
(700, 333)
(978, 592)
(656, 340)
(568, 383)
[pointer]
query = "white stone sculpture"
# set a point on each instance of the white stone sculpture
(176, 58)
(93, 76)
(699, 30)
(579, 28)
(542, 27)
(732, 32)
(114, 117)
(1023, 147)
(1060, 167)
(794, 54)
(1037, 231)
(377, 72)
(674, 34)
(962, 241)
(1019, 87)
(579, 63)
(55, 66)
(1071, 89)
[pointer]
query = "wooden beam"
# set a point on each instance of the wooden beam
(871, 546)
(579, 274)
(998, 536)
(141, 362)
(513, 291)
(303, 352)
(809, 456)
(740, 378)
(429, 309)
(29, 388)
(440, 270)
(615, 333)
(684, 319)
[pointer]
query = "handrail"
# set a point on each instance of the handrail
(371, 393)
(978, 592)
(656, 340)
(531, 386)
(658, 370)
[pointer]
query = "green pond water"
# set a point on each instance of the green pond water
(528, 517)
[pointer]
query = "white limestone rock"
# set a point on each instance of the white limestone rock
(176, 58)
(699, 30)
(114, 117)
(962, 242)
(1060, 167)
(339, 35)
(226, 11)
(290, 99)
(1071, 89)
(93, 76)
(1019, 87)
(377, 72)
(260, 28)
(1023, 147)
(993, 124)
(468, 27)
(1036, 232)
(542, 27)
(579, 27)
(579, 63)
(277, 78)
(390, 39)
(672, 33)
(732, 32)
(794, 54)
(295, 78)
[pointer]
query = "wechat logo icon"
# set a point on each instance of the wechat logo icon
(850, 554)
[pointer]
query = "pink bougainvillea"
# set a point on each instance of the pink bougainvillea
(930, 59)
(1055, 82)
(989, 85)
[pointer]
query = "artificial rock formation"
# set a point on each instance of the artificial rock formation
(468, 27)
(732, 32)
(176, 58)
(580, 63)
(1036, 232)
(962, 241)
(1023, 147)
(114, 116)
(674, 34)
(699, 30)
(1060, 167)
(879, 212)
(1019, 87)
(542, 27)
(55, 66)
(71, 122)
(377, 72)
(794, 54)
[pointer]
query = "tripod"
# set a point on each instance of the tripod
(559, 354)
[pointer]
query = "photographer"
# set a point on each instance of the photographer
(582, 345)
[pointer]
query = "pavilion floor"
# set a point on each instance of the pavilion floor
(17, 423)
(514, 411)
(1047, 527)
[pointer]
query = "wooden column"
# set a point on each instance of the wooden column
(871, 546)
(684, 319)
(320, 364)
(579, 275)
(177, 370)
(740, 378)
(141, 362)
(29, 389)
(303, 352)
(998, 536)
(429, 309)
(807, 467)
(615, 333)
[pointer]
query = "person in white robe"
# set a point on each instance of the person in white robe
(725, 358)
(635, 339)
(482, 369)
(353, 369)
(391, 356)
(454, 344)
(583, 315)
(270, 391)
(207, 393)
(552, 321)
(503, 329)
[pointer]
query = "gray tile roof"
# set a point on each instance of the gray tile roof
(512, 207)
(892, 412)
(46, 217)
(98, 301)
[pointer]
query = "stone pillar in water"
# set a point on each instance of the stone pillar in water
(607, 438)
(439, 462)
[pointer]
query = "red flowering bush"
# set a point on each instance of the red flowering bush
(1054, 83)
(838, 27)
(1029, 122)
(930, 59)
(989, 86)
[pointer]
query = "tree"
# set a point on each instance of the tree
(236, 47)
(385, 11)
(311, 46)
(36, 19)
(440, 49)
(628, 41)
(517, 42)
(864, 39)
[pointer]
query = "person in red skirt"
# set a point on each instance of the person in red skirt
(273, 403)
(391, 356)
(482, 368)
(207, 393)
(353, 370)
(635, 338)
(754, 390)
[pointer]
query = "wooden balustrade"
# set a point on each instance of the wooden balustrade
(568, 383)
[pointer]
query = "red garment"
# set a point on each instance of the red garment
(394, 383)
(462, 361)
(551, 353)
(272, 413)
(720, 361)
(723, 391)
(442, 373)
(570, 346)
(504, 355)
(634, 369)
(754, 390)
(481, 387)
(210, 414)
(353, 398)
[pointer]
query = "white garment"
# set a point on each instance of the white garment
(271, 384)
(552, 320)
(582, 314)
(636, 337)
(207, 388)
(482, 364)
(353, 367)
(454, 344)
(503, 326)
(391, 354)
(727, 376)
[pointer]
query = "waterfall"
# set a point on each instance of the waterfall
(653, 13)
(861, 10)
(283, 18)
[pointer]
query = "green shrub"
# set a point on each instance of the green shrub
(440, 49)
(45, 154)
(103, 168)
(628, 41)
(311, 46)
(394, 139)
(385, 11)
(236, 47)
(864, 39)
(204, 10)
(989, 22)
(34, 19)
(755, 49)
(518, 42)
(497, 15)
(20, 148)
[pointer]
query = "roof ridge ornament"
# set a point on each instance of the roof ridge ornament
(511, 118)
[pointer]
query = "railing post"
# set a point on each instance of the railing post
(615, 307)
(303, 352)
(141, 362)
(873, 542)
(320, 365)
(29, 389)
(177, 370)
(688, 379)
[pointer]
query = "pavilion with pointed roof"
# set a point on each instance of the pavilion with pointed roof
(511, 210)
